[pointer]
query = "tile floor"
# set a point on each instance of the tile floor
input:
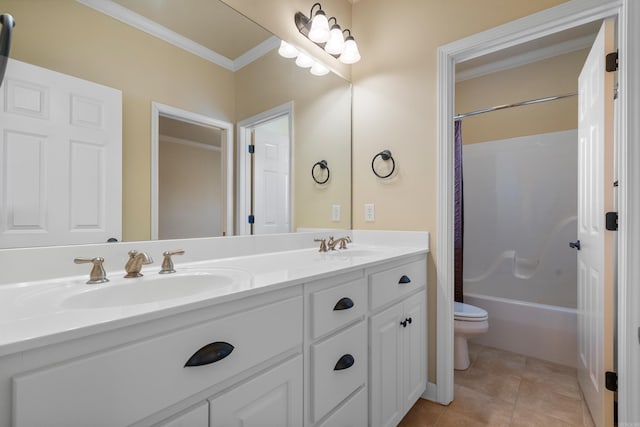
(507, 389)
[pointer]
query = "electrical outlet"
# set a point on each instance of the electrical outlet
(335, 213)
(369, 212)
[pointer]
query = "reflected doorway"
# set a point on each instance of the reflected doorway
(264, 157)
(191, 175)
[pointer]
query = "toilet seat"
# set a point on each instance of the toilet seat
(469, 313)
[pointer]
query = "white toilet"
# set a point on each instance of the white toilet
(468, 321)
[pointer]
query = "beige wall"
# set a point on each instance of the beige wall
(321, 131)
(553, 76)
(68, 37)
(190, 191)
(395, 98)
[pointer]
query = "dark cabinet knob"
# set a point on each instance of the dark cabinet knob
(404, 323)
(575, 245)
(210, 353)
(345, 362)
(344, 304)
(409, 320)
(404, 280)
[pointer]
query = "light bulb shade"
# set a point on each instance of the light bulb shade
(304, 61)
(350, 54)
(335, 44)
(319, 69)
(287, 50)
(319, 31)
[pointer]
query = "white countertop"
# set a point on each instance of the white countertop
(44, 312)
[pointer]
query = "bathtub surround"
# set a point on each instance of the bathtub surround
(520, 215)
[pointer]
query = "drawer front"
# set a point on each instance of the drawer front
(352, 414)
(335, 307)
(396, 282)
(338, 368)
(121, 386)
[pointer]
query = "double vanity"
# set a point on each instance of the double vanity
(253, 331)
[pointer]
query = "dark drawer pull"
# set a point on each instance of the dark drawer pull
(345, 362)
(404, 280)
(210, 353)
(344, 304)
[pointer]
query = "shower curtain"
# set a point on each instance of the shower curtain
(458, 219)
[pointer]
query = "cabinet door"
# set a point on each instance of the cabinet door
(386, 404)
(270, 399)
(194, 417)
(415, 349)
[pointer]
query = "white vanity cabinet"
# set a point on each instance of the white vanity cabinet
(145, 381)
(397, 342)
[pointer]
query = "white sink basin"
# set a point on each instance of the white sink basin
(155, 287)
(352, 253)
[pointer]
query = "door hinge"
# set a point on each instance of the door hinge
(251, 148)
(612, 61)
(611, 221)
(251, 219)
(611, 381)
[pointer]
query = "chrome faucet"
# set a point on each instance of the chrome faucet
(341, 243)
(135, 263)
(97, 274)
(323, 244)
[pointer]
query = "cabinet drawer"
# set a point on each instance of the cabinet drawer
(352, 414)
(123, 385)
(335, 307)
(338, 368)
(396, 282)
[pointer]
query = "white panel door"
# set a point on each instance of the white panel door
(271, 180)
(60, 159)
(415, 349)
(386, 405)
(596, 256)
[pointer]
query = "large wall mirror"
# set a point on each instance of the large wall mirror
(225, 68)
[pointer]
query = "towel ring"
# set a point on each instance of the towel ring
(385, 155)
(323, 166)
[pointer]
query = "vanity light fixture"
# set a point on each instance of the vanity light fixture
(331, 40)
(287, 50)
(319, 31)
(319, 69)
(304, 61)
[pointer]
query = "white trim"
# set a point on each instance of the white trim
(526, 58)
(244, 162)
(158, 110)
(629, 219)
(189, 143)
(431, 393)
(129, 17)
(559, 18)
(259, 51)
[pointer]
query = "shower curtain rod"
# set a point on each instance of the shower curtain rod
(517, 104)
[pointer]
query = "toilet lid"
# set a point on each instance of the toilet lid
(468, 312)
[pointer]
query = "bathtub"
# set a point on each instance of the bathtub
(543, 331)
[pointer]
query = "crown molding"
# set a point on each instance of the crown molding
(188, 143)
(526, 58)
(259, 51)
(150, 27)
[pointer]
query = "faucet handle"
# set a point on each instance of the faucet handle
(167, 262)
(97, 274)
(323, 244)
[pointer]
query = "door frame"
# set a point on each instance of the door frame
(244, 162)
(549, 21)
(226, 157)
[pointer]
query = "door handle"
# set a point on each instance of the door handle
(575, 245)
